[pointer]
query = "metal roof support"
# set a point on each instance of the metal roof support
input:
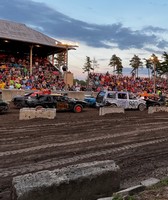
(66, 72)
(31, 59)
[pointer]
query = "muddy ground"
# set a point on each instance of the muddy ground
(136, 141)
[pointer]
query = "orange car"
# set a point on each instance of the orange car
(149, 95)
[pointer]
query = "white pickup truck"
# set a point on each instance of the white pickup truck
(125, 100)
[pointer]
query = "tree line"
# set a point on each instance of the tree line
(153, 64)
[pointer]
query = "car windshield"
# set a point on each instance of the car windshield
(100, 96)
(111, 95)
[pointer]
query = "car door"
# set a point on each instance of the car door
(45, 101)
(62, 103)
(49, 102)
(122, 100)
(132, 101)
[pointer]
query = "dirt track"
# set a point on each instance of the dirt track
(136, 141)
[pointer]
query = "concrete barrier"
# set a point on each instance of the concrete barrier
(108, 110)
(78, 95)
(153, 109)
(7, 94)
(31, 113)
(84, 181)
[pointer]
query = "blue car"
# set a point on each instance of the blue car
(90, 100)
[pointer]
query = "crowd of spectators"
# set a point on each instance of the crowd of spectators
(127, 83)
(15, 74)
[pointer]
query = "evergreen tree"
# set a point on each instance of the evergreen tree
(116, 63)
(149, 66)
(163, 69)
(87, 68)
(156, 64)
(135, 63)
(94, 64)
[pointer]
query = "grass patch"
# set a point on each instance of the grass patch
(157, 186)
(162, 183)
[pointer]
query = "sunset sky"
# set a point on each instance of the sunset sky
(100, 27)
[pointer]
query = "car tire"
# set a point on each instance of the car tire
(108, 104)
(113, 105)
(141, 107)
(78, 108)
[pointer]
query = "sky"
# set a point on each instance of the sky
(101, 28)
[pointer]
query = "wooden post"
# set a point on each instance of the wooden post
(31, 59)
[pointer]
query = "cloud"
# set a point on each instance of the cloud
(152, 29)
(57, 25)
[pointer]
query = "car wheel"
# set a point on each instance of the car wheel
(113, 105)
(142, 107)
(78, 108)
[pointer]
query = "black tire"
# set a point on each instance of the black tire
(142, 107)
(113, 105)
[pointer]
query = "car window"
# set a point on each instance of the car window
(122, 96)
(101, 94)
(111, 95)
(60, 98)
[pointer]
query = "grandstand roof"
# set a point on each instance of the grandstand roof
(15, 36)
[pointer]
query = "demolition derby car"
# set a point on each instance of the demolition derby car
(60, 102)
(91, 100)
(156, 101)
(4, 106)
(125, 100)
(19, 101)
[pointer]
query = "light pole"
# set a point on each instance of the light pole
(66, 67)
(154, 80)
